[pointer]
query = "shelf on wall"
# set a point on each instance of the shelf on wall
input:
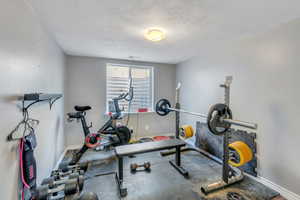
(33, 98)
(28, 100)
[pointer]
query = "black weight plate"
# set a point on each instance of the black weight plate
(55, 172)
(64, 166)
(215, 114)
(80, 182)
(47, 181)
(124, 134)
(70, 188)
(162, 107)
(73, 175)
(83, 166)
(41, 192)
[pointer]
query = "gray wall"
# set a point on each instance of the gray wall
(265, 90)
(29, 62)
(86, 85)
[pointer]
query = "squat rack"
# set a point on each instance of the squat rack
(230, 174)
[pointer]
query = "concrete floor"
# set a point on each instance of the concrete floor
(164, 182)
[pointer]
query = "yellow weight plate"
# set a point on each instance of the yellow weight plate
(244, 152)
(133, 141)
(187, 131)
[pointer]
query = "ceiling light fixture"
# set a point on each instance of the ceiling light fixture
(155, 34)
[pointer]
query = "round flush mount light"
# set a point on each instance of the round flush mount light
(155, 34)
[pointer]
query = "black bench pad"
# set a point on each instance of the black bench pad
(131, 149)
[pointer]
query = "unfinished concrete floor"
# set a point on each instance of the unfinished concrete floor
(164, 182)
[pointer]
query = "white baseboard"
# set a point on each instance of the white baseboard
(283, 191)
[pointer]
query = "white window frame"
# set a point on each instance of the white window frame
(151, 109)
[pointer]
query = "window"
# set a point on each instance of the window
(117, 82)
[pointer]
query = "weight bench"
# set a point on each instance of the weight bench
(133, 149)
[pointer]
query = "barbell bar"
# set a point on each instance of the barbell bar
(188, 112)
(219, 118)
(230, 121)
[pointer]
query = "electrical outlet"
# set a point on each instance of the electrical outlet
(147, 128)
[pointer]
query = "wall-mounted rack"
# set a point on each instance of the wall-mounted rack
(33, 98)
(28, 100)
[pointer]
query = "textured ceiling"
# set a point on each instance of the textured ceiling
(114, 28)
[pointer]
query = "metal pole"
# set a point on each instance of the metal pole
(241, 123)
(188, 112)
(230, 121)
(226, 168)
(177, 124)
(177, 114)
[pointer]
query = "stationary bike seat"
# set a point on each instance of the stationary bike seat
(82, 108)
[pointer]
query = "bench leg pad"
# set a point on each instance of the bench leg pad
(180, 169)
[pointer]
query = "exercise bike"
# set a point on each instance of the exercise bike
(110, 134)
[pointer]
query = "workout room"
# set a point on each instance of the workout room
(149, 100)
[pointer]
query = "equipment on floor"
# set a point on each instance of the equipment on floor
(110, 134)
(140, 148)
(64, 166)
(44, 192)
(111, 128)
(135, 166)
(59, 173)
(53, 182)
(219, 121)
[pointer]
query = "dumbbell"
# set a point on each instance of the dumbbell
(86, 196)
(64, 166)
(43, 192)
(134, 166)
(52, 182)
(60, 173)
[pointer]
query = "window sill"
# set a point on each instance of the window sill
(148, 112)
(133, 113)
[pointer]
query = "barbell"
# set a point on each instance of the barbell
(219, 118)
